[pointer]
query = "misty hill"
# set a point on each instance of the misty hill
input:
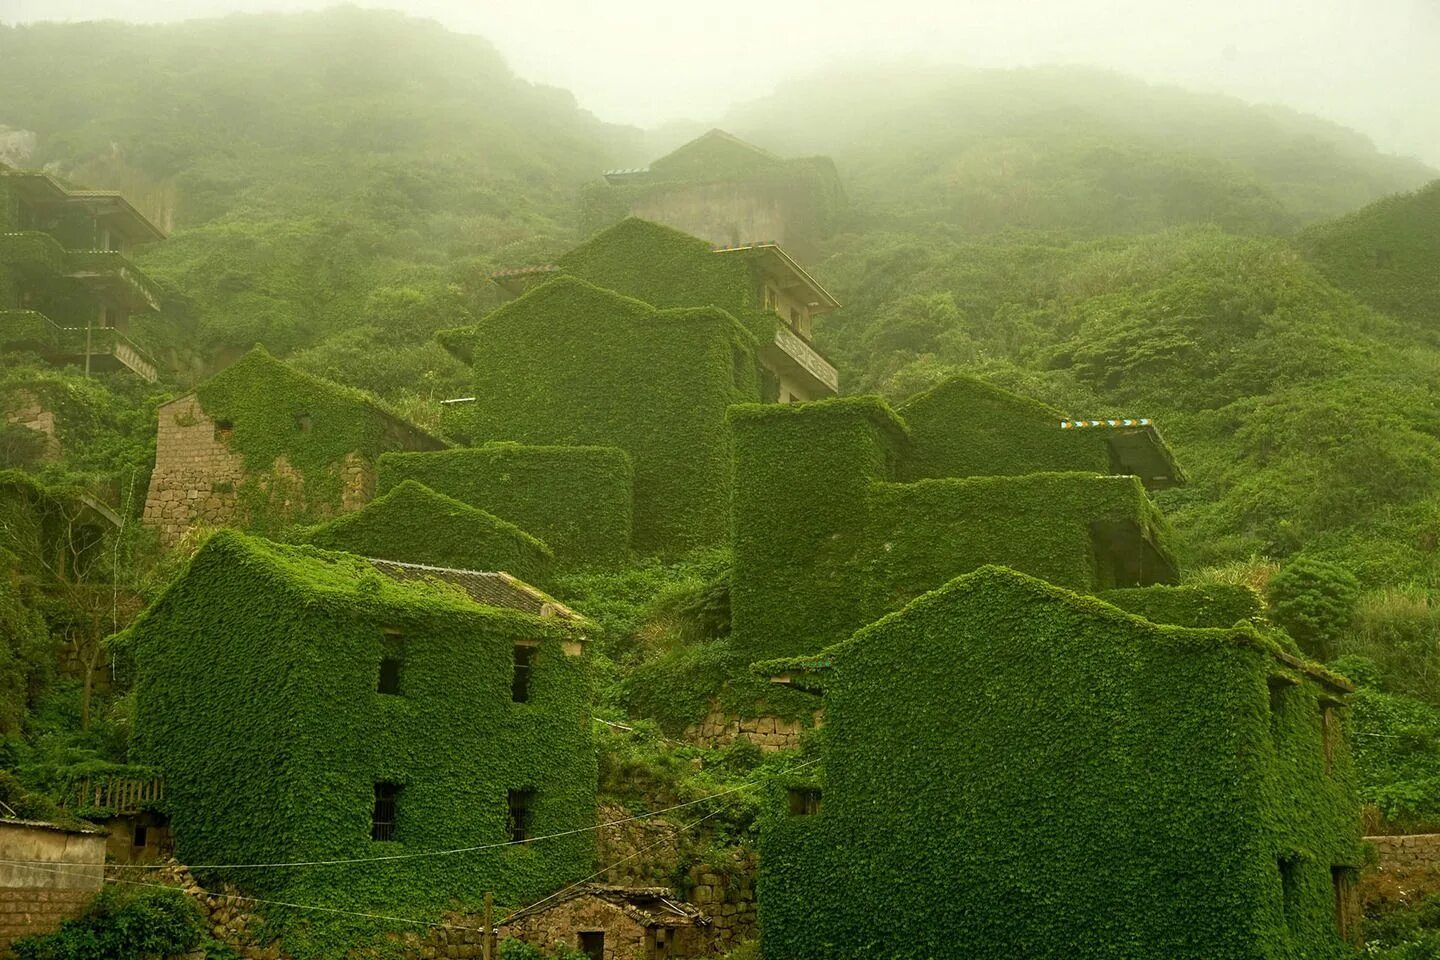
(1070, 148)
(345, 173)
(1387, 254)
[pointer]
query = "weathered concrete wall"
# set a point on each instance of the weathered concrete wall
(724, 213)
(54, 874)
(720, 729)
(196, 474)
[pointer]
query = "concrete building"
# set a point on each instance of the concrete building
(48, 873)
(67, 286)
(613, 923)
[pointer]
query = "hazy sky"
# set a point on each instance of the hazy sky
(1371, 64)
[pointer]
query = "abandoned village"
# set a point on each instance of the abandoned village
(1002, 726)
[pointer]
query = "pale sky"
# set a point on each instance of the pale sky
(1371, 64)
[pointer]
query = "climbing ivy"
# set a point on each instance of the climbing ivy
(1211, 605)
(256, 696)
(575, 499)
(1011, 769)
(570, 363)
(278, 414)
(414, 524)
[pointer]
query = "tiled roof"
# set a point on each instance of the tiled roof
(493, 589)
(647, 906)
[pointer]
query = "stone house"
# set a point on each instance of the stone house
(265, 445)
(48, 873)
(613, 923)
(730, 192)
(306, 705)
(1012, 769)
(67, 286)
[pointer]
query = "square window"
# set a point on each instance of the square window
(804, 801)
(592, 944)
(223, 429)
(382, 820)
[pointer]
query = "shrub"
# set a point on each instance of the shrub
(122, 924)
(1399, 630)
(1315, 602)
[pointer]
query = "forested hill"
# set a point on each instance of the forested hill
(1069, 148)
(344, 174)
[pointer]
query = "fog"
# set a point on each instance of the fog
(1370, 64)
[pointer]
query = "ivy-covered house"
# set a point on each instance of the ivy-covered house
(263, 444)
(67, 286)
(1011, 769)
(726, 191)
(847, 509)
(305, 705)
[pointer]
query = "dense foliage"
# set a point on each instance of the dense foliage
(1152, 796)
(264, 658)
(134, 923)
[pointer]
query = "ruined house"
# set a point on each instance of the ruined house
(1011, 769)
(730, 193)
(304, 705)
(847, 509)
(613, 923)
(67, 286)
(264, 445)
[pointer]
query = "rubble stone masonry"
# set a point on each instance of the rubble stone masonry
(196, 474)
(720, 729)
(25, 409)
(1404, 853)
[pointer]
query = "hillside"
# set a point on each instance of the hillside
(1071, 149)
(1387, 254)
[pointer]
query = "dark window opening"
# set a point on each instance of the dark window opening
(302, 422)
(524, 665)
(517, 820)
(1343, 880)
(1329, 734)
(389, 676)
(592, 944)
(1277, 687)
(142, 834)
(382, 821)
(112, 317)
(804, 801)
(1289, 868)
(223, 429)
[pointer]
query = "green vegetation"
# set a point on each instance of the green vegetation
(1173, 762)
(414, 524)
(122, 924)
(560, 365)
(578, 500)
(264, 658)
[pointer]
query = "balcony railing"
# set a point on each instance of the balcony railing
(111, 270)
(32, 330)
(119, 795)
(806, 357)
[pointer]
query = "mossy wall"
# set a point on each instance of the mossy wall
(826, 541)
(1210, 605)
(414, 524)
(280, 414)
(578, 500)
(967, 428)
(569, 363)
(255, 694)
(1011, 770)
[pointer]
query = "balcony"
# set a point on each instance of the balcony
(32, 253)
(793, 359)
(113, 277)
(106, 348)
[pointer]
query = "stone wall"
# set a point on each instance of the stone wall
(1403, 853)
(555, 929)
(655, 852)
(196, 474)
(720, 729)
(35, 896)
(228, 917)
(24, 409)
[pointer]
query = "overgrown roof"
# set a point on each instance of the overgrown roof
(647, 906)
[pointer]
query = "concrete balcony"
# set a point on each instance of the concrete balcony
(106, 348)
(792, 359)
(32, 253)
(114, 278)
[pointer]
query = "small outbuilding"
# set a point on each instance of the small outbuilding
(614, 923)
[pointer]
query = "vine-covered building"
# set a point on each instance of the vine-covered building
(1011, 769)
(264, 445)
(847, 509)
(305, 705)
(67, 286)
